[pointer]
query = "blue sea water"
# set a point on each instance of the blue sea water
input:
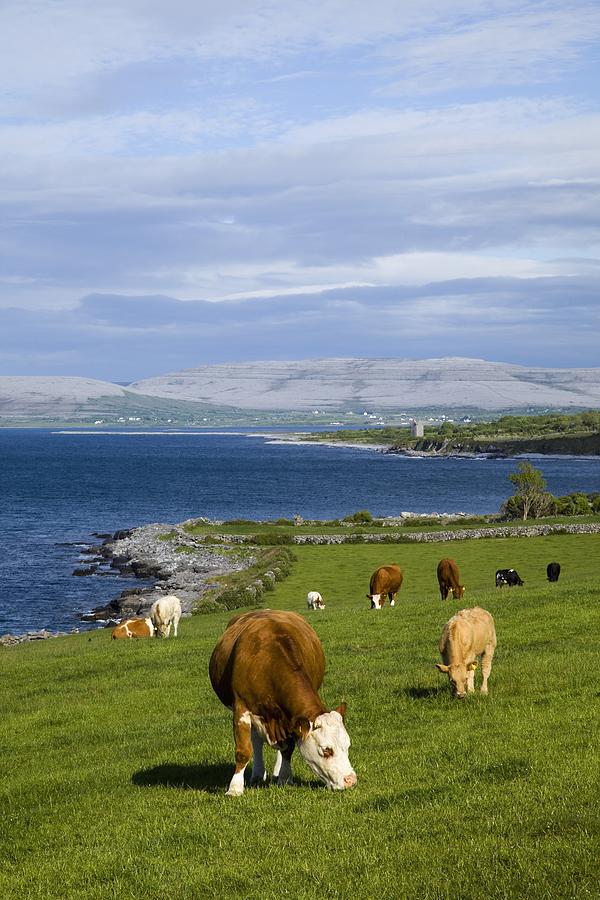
(57, 489)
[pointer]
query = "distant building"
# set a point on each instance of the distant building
(416, 429)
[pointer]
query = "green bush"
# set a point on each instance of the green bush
(247, 587)
(362, 517)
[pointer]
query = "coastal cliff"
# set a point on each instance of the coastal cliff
(566, 445)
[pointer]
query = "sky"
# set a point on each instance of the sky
(192, 183)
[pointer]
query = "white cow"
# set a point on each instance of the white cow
(467, 635)
(166, 612)
(314, 600)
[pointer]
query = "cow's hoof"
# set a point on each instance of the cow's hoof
(234, 792)
(282, 782)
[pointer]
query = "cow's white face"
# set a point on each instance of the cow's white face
(325, 747)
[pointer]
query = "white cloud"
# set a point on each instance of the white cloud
(260, 150)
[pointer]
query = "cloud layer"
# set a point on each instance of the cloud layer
(331, 161)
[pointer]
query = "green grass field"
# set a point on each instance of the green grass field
(116, 756)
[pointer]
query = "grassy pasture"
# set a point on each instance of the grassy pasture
(116, 756)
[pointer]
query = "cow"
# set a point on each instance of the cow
(267, 667)
(509, 577)
(133, 628)
(386, 580)
(448, 578)
(553, 571)
(314, 600)
(467, 635)
(166, 611)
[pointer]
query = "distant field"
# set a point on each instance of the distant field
(116, 756)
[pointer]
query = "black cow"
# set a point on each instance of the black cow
(507, 576)
(553, 571)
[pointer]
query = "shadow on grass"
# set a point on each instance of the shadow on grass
(424, 693)
(212, 779)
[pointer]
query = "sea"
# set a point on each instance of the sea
(60, 489)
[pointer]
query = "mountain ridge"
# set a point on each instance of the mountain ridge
(232, 392)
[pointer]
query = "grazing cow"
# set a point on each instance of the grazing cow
(133, 628)
(314, 600)
(385, 581)
(553, 571)
(467, 635)
(448, 578)
(166, 611)
(267, 667)
(507, 576)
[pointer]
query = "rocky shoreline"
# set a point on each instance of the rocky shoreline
(161, 555)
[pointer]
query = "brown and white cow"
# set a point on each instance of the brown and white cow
(385, 581)
(133, 628)
(166, 611)
(267, 667)
(314, 600)
(449, 579)
(467, 635)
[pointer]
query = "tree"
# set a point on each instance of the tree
(531, 490)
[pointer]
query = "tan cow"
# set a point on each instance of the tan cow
(133, 628)
(386, 580)
(448, 578)
(267, 667)
(467, 635)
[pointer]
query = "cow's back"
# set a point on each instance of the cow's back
(257, 648)
(447, 572)
(386, 579)
(466, 633)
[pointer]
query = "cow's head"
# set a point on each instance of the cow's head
(375, 601)
(324, 745)
(458, 675)
(458, 592)
(162, 630)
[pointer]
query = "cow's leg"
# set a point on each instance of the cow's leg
(259, 776)
(175, 624)
(168, 634)
(486, 666)
(242, 727)
(282, 771)
(470, 681)
(392, 598)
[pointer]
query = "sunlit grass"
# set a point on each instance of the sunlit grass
(116, 755)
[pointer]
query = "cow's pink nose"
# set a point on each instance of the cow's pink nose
(350, 780)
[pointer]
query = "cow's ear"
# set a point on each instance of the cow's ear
(369, 596)
(442, 667)
(472, 666)
(341, 709)
(301, 728)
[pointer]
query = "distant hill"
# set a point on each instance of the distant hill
(42, 400)
(292, 392)
(379, 384)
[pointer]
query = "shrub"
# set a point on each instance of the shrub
(247, 587)
(362, 517)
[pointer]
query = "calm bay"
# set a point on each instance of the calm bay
(58, 488)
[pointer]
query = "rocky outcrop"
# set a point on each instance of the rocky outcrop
(172, 562)
(10, 640)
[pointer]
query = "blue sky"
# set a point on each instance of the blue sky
(194, 182)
